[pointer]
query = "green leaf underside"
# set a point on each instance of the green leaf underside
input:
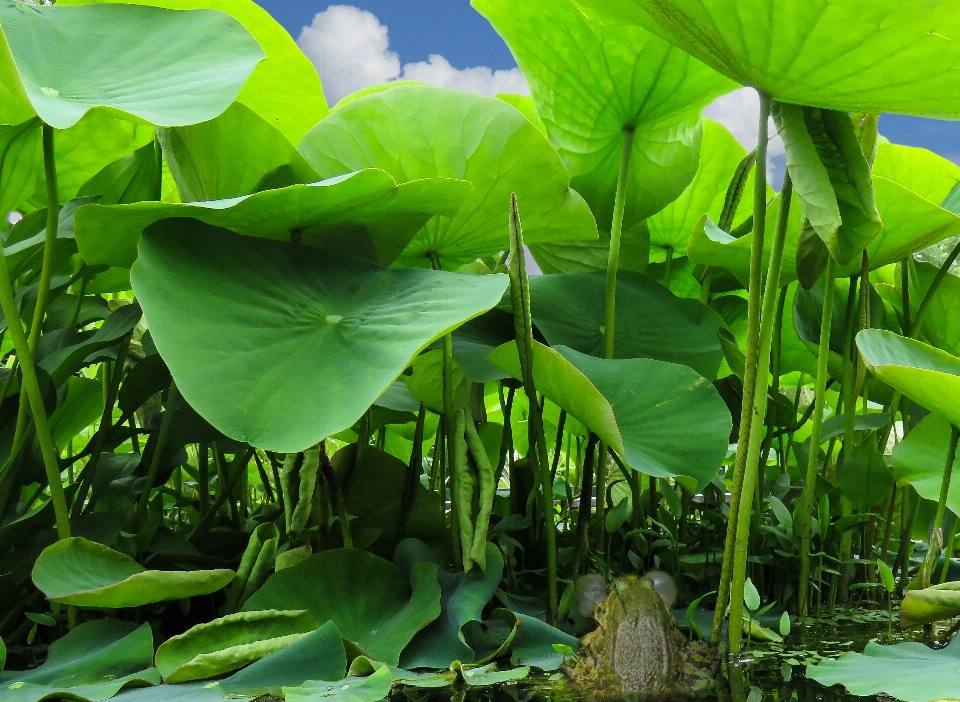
(907, 671)
(590, 82)
(645, 410)
(167, 68)
(883, 56)
(941, 325)
(364, 213)
(80, 572)
(920, 460)
(926, 375)
(417, 132)
(223, 645)
(932, 604)
(291, 323)
(366, 597)
(651, 321)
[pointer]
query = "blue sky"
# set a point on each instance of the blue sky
(452, 29)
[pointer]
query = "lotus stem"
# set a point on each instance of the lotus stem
(751, 357)
(159, 448)
(848, 393)
(239, 463)
(936, 537)
(616, 230)
(754, 461)
(336, 496)
(917, 323)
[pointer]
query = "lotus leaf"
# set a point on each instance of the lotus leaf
(369, 689)
(930, 605)
(592, 82)
(645, 410)
(593, 255)
(865, 479)
(368, 599)
(223, 645)
(534, 642)
(487, 675)
(941, 325)
(167, 68)
(527, 107)
(652, 322)
(21, 155)
(920, 460)
(907, 671)
(365, 325)
(923, 172)
(82, 406)
(76, 571)
(887, 56)
(132, 178)
(425, 382)
(364, 213)
(837, 425)
(284, 88)
(92, 662)
(474, 341)
(926, 375)
(463, 597)
(418, 132)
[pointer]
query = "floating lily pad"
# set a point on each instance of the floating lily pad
(92, 662)
(223, 645)
(418, 132)
(908, 671)
(364, 213)
(368, 599)
(533, 644)
(645, 410)
(312, 319)
(62, 62)
(369, 689)
(76, 571)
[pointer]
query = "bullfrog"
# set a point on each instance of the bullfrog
(637, 647)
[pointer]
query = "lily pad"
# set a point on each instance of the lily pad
(652, 322)
(932, 604)
(418, 132)
(223, 645)
(308, 319)
(592, 82)
(886, 56)
(369, 689)
(79, 572)
(92, 662)
(534, 642)
(907, 671)
(368, 599)
(167, 68)
(921, 458)
(463, 597)
(486, 675)
(364, 213)
(645, 410)
(926, 375)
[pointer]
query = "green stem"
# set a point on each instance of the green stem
(50, 239)
(159, 449)
(754, 462)
(917, 323)
(809, 488)
(239, 464)
(750, 364)
(668, 270)
(937, 533)
(616, 229)
(948, 552)
(31, 384)
(849, 394)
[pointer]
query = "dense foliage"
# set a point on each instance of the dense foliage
(283, 407)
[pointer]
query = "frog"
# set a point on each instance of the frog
(637, 647)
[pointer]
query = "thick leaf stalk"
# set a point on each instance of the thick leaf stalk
(755, 462)
(523, 328)
(159, 451)
(751, 357)
(936, 538)
(810, 484)
(488, 490)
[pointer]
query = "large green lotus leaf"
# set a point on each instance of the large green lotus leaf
(651, 321)
(882, 56)
(368, 598)
(364, 213)
(591, 82)
(238, 153)
(292, 327)
(864, 478)
(645, 410)
(79, 572)
(941, 325)
(582, 256)
(720, 154)
(711, 246)
(908, 671)
(163, 67)
(921, 458)
(463, 597)
(417, 132)
(929, 175)
(223, 645)
(132, 178)
(92, 662)
(527, 107)
(926, 375)
(932, 604)
(284, 88)
(353, 689)
(21, 155)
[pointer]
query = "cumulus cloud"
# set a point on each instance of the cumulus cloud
(351, 50)
(739, 112)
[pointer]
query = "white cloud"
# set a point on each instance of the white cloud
(739, 112)
(351, 50)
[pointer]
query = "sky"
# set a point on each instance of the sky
(446, 42)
